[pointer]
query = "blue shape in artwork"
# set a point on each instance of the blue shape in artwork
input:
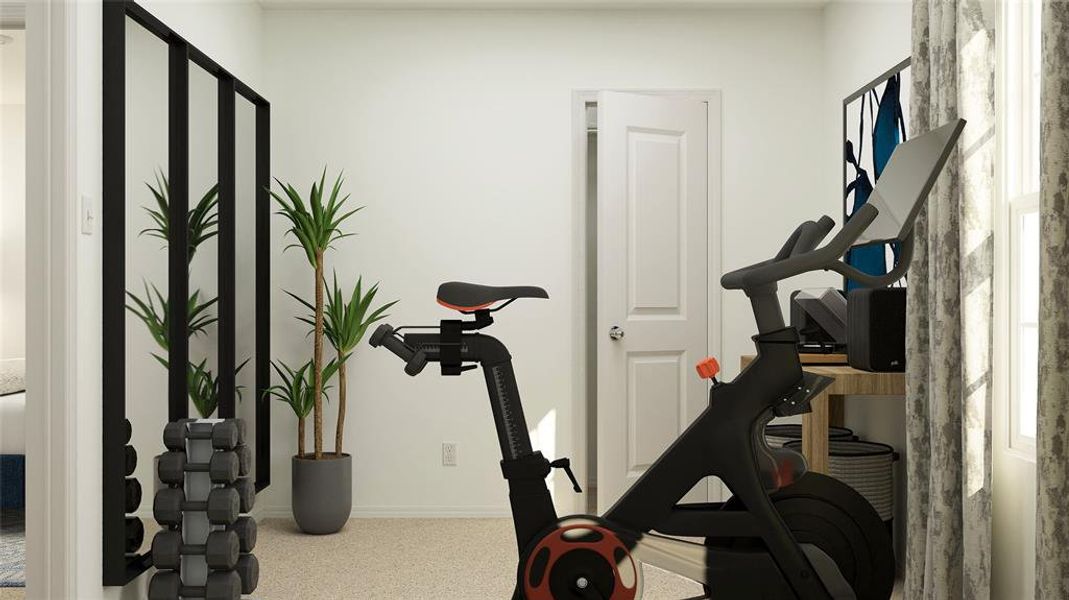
(887, 132)
(867, 259)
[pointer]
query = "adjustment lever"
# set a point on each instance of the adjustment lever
(455, 369)
(566, 465)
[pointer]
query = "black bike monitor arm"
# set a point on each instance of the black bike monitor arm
(888, 216)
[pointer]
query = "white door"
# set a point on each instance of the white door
(653, 259)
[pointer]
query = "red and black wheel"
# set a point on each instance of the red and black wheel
(580, 559)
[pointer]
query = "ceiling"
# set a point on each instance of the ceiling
(535, 4)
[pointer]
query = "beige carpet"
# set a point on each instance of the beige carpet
(386, 559)
(445, 559)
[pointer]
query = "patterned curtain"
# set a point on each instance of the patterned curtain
(1052, 435)
(949, 315)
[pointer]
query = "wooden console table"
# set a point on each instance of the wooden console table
(828, 409)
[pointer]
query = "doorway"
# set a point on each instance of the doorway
(647, 183)
(12, 298)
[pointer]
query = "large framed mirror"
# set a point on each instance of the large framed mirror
(185, 211)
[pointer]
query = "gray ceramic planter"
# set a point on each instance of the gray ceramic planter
(322, 493)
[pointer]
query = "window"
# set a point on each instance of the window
(1021, 206)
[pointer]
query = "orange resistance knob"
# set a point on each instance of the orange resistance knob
(708, 368)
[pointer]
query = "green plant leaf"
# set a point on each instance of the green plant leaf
(346, 322)
(314, 223)
(202, 220)
(297, 389)
(203, 387)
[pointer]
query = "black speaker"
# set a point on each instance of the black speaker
(876, 329)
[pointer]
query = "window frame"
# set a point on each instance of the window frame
(1020, 188)
(1019, 208)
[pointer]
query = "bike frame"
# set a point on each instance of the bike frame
(726, 441)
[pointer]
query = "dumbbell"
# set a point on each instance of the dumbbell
(128, 431)
(245, 528)
(225, 435)
(246, 490)
(223, 467)
(221, 550)
(135, 534)
(248, 570)
(133, 495)
(223, 506)
(220, 585)
(242, 430)
(131, 460)
(244, 459)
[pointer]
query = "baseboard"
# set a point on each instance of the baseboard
(260, 511)
(401, 512)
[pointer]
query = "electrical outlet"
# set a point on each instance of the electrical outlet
(449, 454)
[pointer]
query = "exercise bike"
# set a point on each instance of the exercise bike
(785, 533)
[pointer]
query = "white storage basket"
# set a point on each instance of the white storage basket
(868, 467)
(778, 435)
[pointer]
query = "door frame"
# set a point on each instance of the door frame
(51, 307)
(580, 98)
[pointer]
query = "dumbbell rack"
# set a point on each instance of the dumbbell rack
(193, 578)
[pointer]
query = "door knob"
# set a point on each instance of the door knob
(615, 333)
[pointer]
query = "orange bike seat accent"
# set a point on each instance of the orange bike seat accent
(708, 367)
(464, 308)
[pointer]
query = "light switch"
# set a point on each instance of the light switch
(88, 215)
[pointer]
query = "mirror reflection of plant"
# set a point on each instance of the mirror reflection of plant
(316, 226)
(345, 324)
(202, 221)
(203, 386)
(153, 309)
(298, 391)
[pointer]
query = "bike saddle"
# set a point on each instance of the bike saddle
(469, 297)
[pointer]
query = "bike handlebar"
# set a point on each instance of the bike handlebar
(799, 256)
(812, 234)
(415, 360)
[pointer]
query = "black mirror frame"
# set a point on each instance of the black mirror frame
(120, 568)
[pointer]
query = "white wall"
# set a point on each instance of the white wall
(230, 33)
(454, 128)
(13, 196)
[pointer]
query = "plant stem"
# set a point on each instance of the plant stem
(340, 434)
(300, 437)
(318, 358)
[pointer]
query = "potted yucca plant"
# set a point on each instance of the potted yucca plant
(296, 391)
(344, 325)
(322, 482)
